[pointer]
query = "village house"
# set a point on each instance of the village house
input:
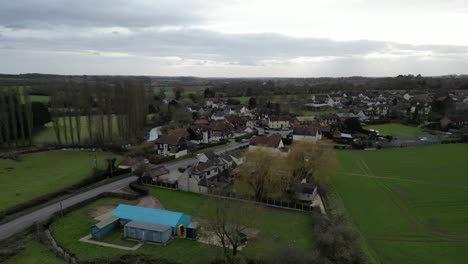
(310, 132)
(173, 144)
(456, 121)
(212, 170)
(279, 122)
(327, 119)
(272, 142)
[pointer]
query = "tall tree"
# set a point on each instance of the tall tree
(28, 114)
(13, 116)
(312, 161)
(262, 173)
(4, 112)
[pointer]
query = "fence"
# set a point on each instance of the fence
(284, 204)
(402, 143)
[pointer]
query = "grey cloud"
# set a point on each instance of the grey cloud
(244, 49)
(99, 13)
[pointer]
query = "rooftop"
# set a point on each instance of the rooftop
(149, 215)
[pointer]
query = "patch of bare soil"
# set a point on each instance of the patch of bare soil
(102, 212)
(150, 202)
(105, 211)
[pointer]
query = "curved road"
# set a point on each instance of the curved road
(22, 222)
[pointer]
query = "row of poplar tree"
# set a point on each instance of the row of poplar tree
(82, 113)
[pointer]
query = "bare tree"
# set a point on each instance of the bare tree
(228, 220)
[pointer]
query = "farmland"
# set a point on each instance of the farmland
(275, 226)
(40, 173)
(409, 204)
(47, 134)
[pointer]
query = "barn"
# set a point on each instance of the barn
(104, 227)
(149, 232)
(178, 222)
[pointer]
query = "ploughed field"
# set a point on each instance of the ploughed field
(410, 205)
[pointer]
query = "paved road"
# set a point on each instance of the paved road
(21, 223)
(192, 161)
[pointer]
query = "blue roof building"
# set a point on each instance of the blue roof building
(129, 213)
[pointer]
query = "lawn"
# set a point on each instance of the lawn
(170, 92)
(47, 134)
(40, 98)
(35, 253)
(40, 173)
(275, 226)
(409, 204)
(244, 100)
(317, 113)
(397, 130)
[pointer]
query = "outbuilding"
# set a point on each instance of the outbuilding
(104, 227)
(147, 232)
(177, 221)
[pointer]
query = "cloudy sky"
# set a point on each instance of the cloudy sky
(233, 38)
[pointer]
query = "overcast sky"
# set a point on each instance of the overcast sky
(233, 38)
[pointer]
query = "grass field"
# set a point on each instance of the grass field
(40, 98)
(317, 113)
(397, 130)
(409, 204)
(275, 226)
(170, 92)
(47, 134)
(244, 100)
(40, 173)
(35, 253)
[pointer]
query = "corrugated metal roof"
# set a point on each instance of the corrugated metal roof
(149, 215)
(148, 226)
(107, 221)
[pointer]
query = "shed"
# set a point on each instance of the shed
(192, 230)
(104, 227)
(175, 220)
(144, 231)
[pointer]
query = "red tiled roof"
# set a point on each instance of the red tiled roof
(182, 132)
(201, 122)
(174, 136)
(271, 141)
(310, 130)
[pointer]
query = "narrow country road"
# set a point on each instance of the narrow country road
(22, 222)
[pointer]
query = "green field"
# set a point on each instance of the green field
(170, 92)
(47, 134)
(397, 130)
(244, 100)
(275, 226)
(40, 173)
(35, 253)
(317, 113)
(409, 204)
(40, 98)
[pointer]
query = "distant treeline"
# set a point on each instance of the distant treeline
(262, 87)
